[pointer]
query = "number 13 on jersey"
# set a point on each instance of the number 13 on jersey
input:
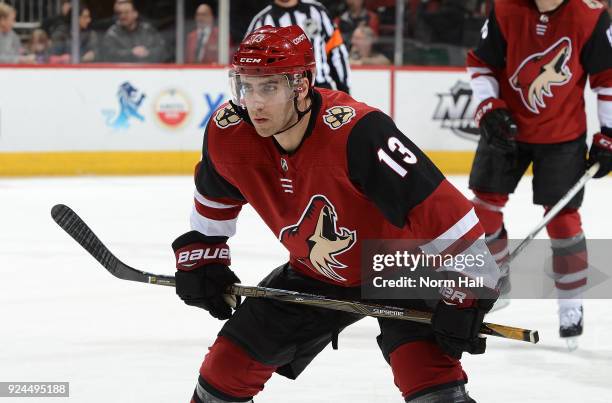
(396, 147)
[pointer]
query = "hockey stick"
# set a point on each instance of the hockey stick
(503, 301)
(70, 222)
(553, 212)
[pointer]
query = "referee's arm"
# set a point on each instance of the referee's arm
(337, 54)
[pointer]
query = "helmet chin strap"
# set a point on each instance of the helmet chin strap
(300, 114)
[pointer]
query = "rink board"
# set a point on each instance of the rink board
(150, 120)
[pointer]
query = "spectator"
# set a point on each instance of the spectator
(130, 40)
(62, 41)
(10, 46)
(49, 25)
(446, 22)
(38, 46)
(362, 49)
(202, 41)
(104, 23)
(355, 16)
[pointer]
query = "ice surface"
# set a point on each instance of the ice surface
(64, 318)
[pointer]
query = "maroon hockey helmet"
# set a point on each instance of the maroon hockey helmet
(273, 50)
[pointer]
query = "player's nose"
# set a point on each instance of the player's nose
(258, 104)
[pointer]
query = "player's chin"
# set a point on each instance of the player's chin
(264, 130)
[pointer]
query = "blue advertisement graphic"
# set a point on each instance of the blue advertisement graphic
(212, 106)
(130, 99)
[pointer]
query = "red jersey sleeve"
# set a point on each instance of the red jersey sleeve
(596, 58)
(484, 62)
(412, 193)
(217, 202)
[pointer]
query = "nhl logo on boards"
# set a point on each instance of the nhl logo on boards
(226, 117)
(338, 116)
(455, 111)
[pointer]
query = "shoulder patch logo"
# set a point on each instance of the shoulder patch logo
(226, 117)
(594, 4)
(338, 116)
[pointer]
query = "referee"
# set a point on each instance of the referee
(333, 69)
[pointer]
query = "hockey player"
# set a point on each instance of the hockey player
(529, 72)
(324, 172)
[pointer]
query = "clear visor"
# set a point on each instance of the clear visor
(254, 90)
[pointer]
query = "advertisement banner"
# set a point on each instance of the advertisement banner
(136, 119)
(108, 109)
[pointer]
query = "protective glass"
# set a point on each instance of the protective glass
(273, 89)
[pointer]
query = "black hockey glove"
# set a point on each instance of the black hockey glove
(457, 319)
(497, 125)
(203, 273)
(601, 151)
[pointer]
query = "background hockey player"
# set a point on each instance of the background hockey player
(529, 72)
(324, 172)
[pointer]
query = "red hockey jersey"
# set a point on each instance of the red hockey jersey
(538, 64)
(354, 177)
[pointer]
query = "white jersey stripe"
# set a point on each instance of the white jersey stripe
(209, 203)
(603, 90)
(212, 227)
(604, 112)
(479, 70)
(484, 87)
(459, 229)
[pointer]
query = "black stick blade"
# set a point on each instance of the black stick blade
(74, 226)
(70, 222)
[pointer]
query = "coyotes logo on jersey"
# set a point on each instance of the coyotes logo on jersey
(316, 240)
(538, 72)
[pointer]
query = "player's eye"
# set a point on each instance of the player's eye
(270, 88)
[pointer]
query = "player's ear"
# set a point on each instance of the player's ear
(303, 88)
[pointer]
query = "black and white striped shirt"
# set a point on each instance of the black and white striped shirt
(333, 70)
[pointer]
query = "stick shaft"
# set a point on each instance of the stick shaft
(379, 311)
(554, 211)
